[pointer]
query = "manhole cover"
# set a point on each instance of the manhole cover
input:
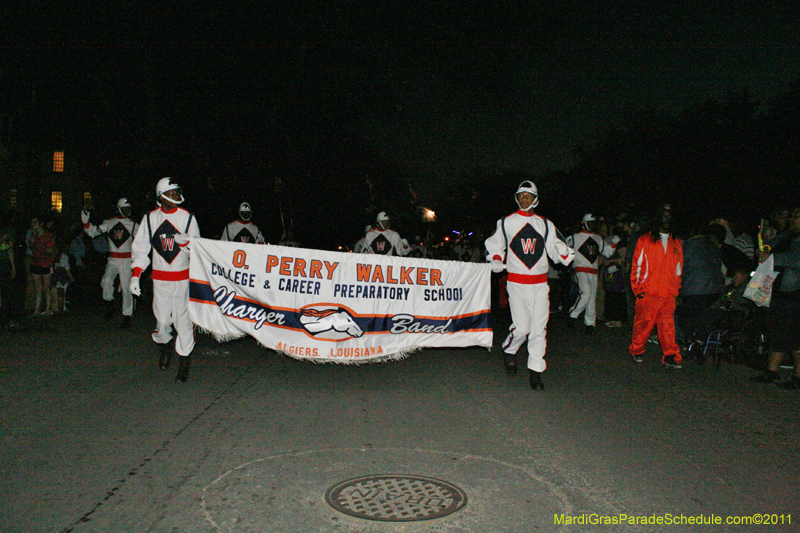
(396, 498)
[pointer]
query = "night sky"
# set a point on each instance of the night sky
(434, 88)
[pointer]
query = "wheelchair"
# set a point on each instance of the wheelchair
(738, 336)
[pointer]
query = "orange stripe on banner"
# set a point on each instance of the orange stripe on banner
(476, 313)
(240, 297)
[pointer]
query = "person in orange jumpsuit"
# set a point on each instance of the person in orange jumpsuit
(655, 280)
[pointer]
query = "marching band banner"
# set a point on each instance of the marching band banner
(337, 307)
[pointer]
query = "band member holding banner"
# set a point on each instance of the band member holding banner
(166, 232)
(120, 231)
(241, 229)
(522, 244)
(384, 241)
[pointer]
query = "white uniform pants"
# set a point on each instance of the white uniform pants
(587, 298)
(171, 308)
(122, 268)
(530, 310)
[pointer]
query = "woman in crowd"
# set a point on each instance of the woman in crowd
(43, 246)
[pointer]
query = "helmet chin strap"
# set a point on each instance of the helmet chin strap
(534, 203)
(176, 202)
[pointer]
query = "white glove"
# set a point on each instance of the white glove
(85, 216)
(181, 239)
(136, 290)
(615, 239)
(498, 266)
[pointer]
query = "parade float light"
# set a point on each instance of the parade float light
(428, 215)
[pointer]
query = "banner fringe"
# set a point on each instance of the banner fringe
(222, 337)
(398, 356)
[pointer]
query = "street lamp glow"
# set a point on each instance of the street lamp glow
(430, 216)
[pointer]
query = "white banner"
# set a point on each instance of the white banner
(337, 307)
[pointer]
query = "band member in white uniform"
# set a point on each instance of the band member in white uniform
(522, 244)
(589, 246)
(381, 240)
(360, 247)
(242, 230)
(120, 231)
(166, 231)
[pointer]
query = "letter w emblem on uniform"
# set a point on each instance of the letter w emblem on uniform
(167, 242)
(380, 245)
(528, 245)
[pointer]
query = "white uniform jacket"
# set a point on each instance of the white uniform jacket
(238, 231)
(589, 246)
(157, 233)
(385, 242)
(524, 241)
(120, 233)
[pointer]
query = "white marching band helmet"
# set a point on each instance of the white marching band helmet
(588, 217)
(381, 218)
(165, 185)
(245, 212)
(124, 207)
(529, 187)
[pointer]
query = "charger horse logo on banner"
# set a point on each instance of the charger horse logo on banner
(337, 321)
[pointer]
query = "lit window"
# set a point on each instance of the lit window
(55, 201)
(88, 203)
(58, 161)
(12, 198)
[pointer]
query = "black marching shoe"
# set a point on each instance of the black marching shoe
(590, 330)
(183, 369)
(510, 363)
(126, 322)
(571, 322)
(165, 355)
(670, 364)
(535, 380)
(768, 376)
(109, 311)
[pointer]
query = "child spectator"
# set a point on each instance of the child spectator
(62, 277)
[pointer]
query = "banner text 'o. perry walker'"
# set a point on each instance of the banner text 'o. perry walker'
(337, 307)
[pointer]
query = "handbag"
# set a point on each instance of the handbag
(759, 290)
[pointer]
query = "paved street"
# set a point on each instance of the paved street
(96, 439)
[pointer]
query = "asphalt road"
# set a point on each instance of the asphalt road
(96, 439)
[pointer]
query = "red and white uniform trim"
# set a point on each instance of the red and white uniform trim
(525, 241)
(586, 271)
(119, 257)
(170, 274)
